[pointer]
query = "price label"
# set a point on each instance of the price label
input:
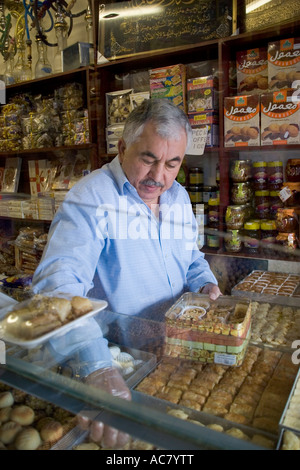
(198, 143)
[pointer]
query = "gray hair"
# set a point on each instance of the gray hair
(168, 119)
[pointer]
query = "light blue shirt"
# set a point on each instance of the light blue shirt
(105, 242)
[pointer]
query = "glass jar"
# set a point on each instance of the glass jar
(235, 217)
(212, 238)
(287, 240)
(292, 170)
(275, 203)
(213, 213)
(286, 220)
(260, 176)
(240, 170)
(268, 234)
(233, 241)
(275, 175)
(262, 204)
(196, 176)
(251, 237)
(241, 193)
(195, 193)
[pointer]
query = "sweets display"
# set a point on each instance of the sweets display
(291, 417)
(208, 331)
(270, 283)
(29, 423)
(241, 121)
(252, 71)
(40, 314)
(253, 394)
(283, 63)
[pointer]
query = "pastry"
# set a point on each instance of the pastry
(81, 306)
(5, 414)
(51, 431)
(290, 441)
(87, 446)
(22, 414)
(6, 399)
(9, 431)
(28, 439)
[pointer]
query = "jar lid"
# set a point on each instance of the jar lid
(268, 225)
(213, 201)
(259, 164)
(262, 193)
(277, 163)
(195, 169)
(252, 226)
(274, 193)
(294, 161)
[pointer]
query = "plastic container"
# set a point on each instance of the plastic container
(275, 175)
(260, 176)
(262, 204)
(251, 237)
(240, 170)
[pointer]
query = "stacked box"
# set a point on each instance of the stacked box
(208, 332)
(169, 82)
(201, 95)
(210, 119)
(39, 176)
(280, 118)
(30, 209)
(252, 71)
(241, 121)
(284, 64)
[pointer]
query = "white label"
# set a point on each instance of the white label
(198, 143)
(285, 193)
(225, 359)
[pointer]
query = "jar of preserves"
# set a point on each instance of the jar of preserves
(251, 237)
(262, 204)
(268, 234)
(293, 191)
(213, 213)
(240, 170)
(292, 170)
(275, 203)
(287, 240)
(195, 193)
(260, 176)
(196, 176)
(235, 217)
(233, 241)
(241, 193)
(286, 220)
(275, 175)
(212, 238)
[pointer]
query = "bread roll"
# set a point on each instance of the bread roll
(9, 431)
(51, 431)
(28, 439)
(22, 414)
(6, 399)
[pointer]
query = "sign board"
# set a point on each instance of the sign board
(136, 26)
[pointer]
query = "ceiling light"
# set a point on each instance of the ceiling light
(255, 4)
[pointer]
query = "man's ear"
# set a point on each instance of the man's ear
(121, 149)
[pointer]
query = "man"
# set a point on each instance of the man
(128, 228)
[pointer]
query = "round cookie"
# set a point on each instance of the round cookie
(5, 414)
(9, 431)
(22, 414)
(6, 399)
(51, 431)
(28, 439)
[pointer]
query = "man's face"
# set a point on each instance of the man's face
(152, 163)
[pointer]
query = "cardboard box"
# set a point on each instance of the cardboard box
(169, 82)
(252, 71)
(201, 95)
(280, 118)
(283, 64)
(241, 121)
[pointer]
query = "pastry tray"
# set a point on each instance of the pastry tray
(77, 436)
(282, 424)
(289, 299)
(98, 305)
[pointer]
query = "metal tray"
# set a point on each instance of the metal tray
(290, 300)
(282, 424)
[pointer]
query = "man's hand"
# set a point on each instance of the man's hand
(109, 380)
(212, 290)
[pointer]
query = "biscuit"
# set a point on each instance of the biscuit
(22, 414)
(51, 431)
(28, 439)
(9, 431)
(6, 399)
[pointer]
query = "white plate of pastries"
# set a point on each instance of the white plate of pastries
(38, 319)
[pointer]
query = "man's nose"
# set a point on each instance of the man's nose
(157, 172)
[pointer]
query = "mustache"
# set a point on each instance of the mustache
(150, 182)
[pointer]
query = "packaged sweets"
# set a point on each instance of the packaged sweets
(262, 204)
(283, 63)
(252, 237)
(233, 241)
(235, 217)
(241, 121)
(241, 193)
(275, 175)
(287, 220)
(292, 170)
(252, 71)
(240, 170)
(280, 117)
(260, 175)
(117, 106)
